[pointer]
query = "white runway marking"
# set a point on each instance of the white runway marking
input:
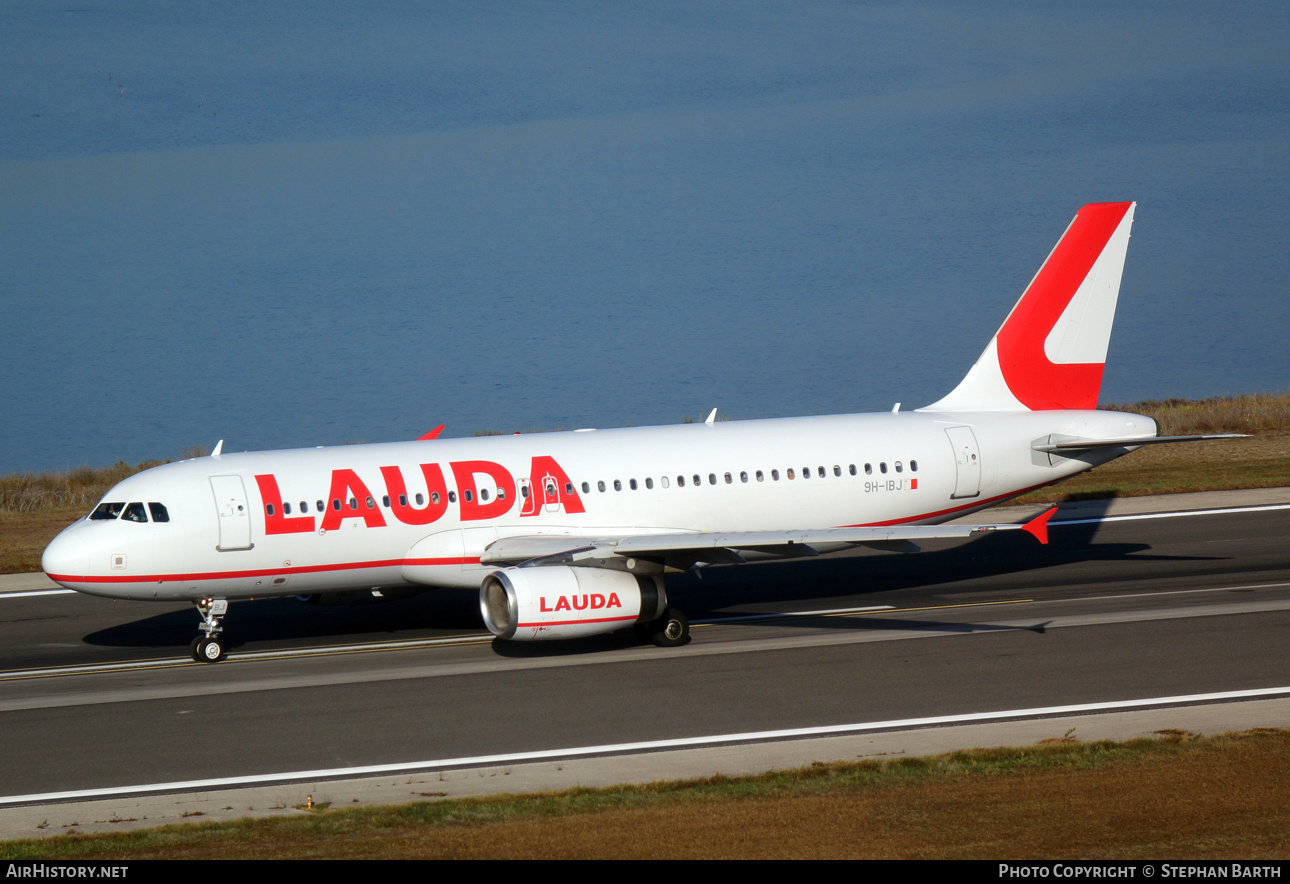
(644, 746)
(1131, 517)
(828, 612)
(31, 592)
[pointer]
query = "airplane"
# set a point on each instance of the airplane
(570, 534)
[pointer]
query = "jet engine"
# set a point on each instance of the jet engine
(557, 601)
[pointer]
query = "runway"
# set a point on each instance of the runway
(1110, 611)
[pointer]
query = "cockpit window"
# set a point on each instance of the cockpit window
(158, 511)
(107, 510)
(134, 512)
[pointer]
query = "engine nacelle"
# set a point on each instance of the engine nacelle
(557, 601)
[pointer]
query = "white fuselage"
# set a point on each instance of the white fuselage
(367, 516)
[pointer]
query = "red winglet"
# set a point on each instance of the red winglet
(1038, 526)
(433, 434)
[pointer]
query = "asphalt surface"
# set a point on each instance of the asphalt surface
(913, 652)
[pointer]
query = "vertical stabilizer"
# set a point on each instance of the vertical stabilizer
(1050, 351)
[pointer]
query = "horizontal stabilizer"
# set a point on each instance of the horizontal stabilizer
(1093, 444)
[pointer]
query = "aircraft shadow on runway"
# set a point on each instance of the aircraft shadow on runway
(291, 623)
(1009, 562)
(839, 580)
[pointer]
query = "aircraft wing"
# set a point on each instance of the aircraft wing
(696, 547)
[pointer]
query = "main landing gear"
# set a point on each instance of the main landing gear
(669, 631)
(209, 648)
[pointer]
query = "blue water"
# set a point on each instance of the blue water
(315, 223)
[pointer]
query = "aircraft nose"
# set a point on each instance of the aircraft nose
(66, 558)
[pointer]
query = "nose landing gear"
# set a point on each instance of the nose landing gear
(209, 648)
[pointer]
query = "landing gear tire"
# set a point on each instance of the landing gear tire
(207, 650)
(671, 630)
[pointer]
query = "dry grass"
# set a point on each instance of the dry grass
(80, 488)
(1253, 413)
(1176, 797)
(24, 537)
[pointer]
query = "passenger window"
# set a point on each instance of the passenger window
(452, 496)
(483, 494)
(586, 488)
(868, 469)
(664, 481)
(385, 500)
(649, 483)
(760, 477)
(371, 504)
(774, 474)
(837, 470)
(882, 467)
(568, 489)
(304, 507)
(821, 472)
(159, 513)
(335, 504)
(712, 478)
(105, 511)
(600, 485)
(467, 496)
(790, 472)
(697, 480)
(680, 481)
(806, 472)
(728, 479)
(321, 508)
(899, 468)
(913, 466)
(501, 492)
(403, 500)
(134, 512)
(353, 503)
(286, 509)
(268, 509)
(852, 469)
(618, 485)
(631, 483)
(743, 476)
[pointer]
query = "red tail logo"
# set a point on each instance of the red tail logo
(1037, 381)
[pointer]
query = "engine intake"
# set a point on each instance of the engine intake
(558, 601)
